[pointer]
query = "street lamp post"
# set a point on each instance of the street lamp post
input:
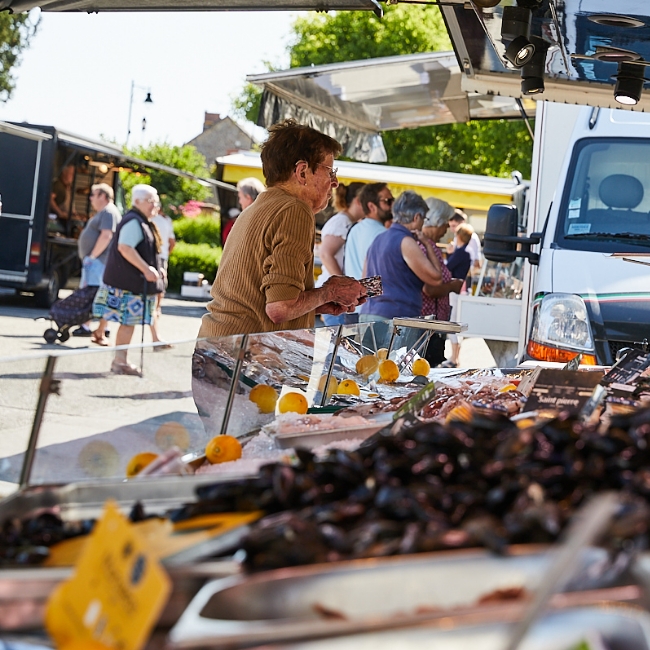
(147, 100)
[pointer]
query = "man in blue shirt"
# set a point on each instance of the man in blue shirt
(377, 201)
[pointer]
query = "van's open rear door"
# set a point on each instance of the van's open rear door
(20, 161)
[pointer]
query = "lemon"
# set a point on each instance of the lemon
(367, 365)
(388, 371)
(348, 387)
(293, 403)
(223, 449)
(99, 459)
(265, 397)
(332, 385)
(139, 462)
(507, 388)
(421, 367)
(172, 434)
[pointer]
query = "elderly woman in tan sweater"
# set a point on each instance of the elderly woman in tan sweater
(266, 278)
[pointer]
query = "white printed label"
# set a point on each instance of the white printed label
(574, 214)
(579, 228)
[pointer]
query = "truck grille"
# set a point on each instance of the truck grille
(615, 346)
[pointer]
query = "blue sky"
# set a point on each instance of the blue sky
(77, 74)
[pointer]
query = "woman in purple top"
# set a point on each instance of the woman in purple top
(436, 304)
(396, 256)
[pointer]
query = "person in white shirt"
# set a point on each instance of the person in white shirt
(476, 258)
(333, 236)
(376, 201)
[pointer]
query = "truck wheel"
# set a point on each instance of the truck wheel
(50, 335)
(48, 296)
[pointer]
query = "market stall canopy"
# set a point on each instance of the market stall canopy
(356, 100)
(468, 191)
(192, 5)
(112, 154)
(23, 132)
(584, 52)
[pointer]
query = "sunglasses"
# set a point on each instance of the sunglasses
(388, 202)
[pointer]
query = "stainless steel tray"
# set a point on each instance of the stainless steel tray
(86, 500)
(284, 605)
(608, 626)
(311, 439)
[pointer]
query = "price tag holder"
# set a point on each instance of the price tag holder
(116, 594)
(563, 390)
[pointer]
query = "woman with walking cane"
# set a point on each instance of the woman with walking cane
(133, 275)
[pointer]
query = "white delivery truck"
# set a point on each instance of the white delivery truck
(587, 289)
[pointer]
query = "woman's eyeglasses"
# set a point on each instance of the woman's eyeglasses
(332, 171)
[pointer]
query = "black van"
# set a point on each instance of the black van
(38, 248)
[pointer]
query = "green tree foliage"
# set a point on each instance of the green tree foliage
(198, 230)
(495, 147)
(16, 32)
(355, 35)
(197, 258)
(174, 191)
(491, 148)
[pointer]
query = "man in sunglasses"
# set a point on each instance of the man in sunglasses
(265, 281)
(377, 201)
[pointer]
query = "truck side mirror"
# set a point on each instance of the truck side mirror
(501, 243)
(501, 234)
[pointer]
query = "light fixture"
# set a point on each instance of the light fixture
(532, 74)
(629, 83)
(515, 27)
(520, 51)
(147, 101)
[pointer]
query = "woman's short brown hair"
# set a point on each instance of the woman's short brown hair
(345, 194)
(290, 142)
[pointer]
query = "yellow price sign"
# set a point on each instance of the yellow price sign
(116, 594)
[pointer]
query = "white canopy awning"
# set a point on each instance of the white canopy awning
(356, 100)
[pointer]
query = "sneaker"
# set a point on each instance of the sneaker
(82, 331)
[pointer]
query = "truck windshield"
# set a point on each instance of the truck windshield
(607, 206)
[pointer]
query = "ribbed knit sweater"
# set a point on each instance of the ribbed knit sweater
(268, 257)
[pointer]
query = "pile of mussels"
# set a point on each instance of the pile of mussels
(485, 483)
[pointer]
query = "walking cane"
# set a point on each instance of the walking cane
(144, 311)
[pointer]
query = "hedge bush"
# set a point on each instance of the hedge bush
(198, 230)
(198, 258)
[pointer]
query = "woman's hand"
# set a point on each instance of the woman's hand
(151, 274)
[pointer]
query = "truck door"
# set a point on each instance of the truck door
(19, 171)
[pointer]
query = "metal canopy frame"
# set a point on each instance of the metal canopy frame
(93, 6)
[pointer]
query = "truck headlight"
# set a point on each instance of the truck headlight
(561, 329)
